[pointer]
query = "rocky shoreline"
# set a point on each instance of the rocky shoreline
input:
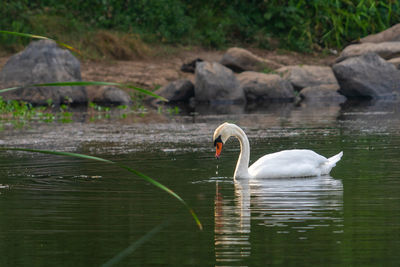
(368, 69)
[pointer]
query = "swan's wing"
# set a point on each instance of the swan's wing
(288, 163)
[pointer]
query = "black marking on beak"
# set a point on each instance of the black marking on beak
(218, 140)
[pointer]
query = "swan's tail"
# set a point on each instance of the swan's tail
(334, 159)
(332, 162)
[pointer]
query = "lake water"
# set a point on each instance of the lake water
(61, 211)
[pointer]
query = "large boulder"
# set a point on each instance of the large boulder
(109, 96)
(386, 50)
(177, 91)
(43, 62)
(322, 94)
(216, 83)
(368, 76)
(265, 87)
(239, 59)
(307, 75)
(389, 35)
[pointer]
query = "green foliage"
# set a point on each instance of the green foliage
(297, 24)
(87, 83)
(328, 23)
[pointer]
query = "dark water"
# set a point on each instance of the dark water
(58, 211)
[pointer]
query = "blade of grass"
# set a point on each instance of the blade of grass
(87, 83)
(141, 175)
(123, 254)
(41, 37)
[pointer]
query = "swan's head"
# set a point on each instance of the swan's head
(221, 134)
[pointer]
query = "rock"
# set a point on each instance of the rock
(216, 83)
(109, 96)
(177, 91)
(307, 75)
(265, 87)
(238, 60)
(43, 62)
(389, 35)
(325, 93)
(395, 61)
(191, 66)
(367, 76)
(386, 50)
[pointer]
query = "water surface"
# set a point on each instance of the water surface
(66, 211)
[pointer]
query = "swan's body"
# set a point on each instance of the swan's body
(287, 163)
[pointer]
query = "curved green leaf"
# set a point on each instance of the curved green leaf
(126, 252)
(141, 175)
(40, 37)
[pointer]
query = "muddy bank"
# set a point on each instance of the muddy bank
(159, 70)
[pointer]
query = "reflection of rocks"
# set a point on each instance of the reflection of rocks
(315, 113)
(260, 87)
(322, 94)
(372, 116)
(274, 114)
(43, 62)
(205, 109)
(367, 76)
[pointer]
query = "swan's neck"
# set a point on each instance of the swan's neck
(242, 166)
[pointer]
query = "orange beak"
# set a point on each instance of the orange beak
(218, 149)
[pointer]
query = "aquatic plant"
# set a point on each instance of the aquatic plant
(129, 169)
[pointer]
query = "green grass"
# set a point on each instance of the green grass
(123, 29)
(86, 83)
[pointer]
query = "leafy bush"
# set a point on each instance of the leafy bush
(298, 24)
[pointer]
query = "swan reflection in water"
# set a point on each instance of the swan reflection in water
(283, 202)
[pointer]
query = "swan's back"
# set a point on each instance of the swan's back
(293, 163)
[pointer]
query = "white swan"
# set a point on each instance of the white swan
(287, 163)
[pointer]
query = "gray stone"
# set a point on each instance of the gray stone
(43, 62)
(307, 75)
(325, 93)
(389, 35)
(239, 59)
(265, 87)
(177, 91)
(109, 96)
(216, 83)
(368, 76)
(386, 50)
